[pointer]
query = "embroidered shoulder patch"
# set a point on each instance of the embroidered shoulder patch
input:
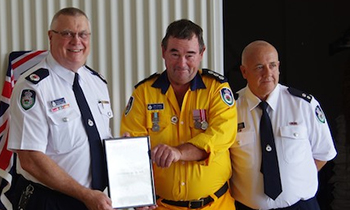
(37, 75)
(227, 96)
(148, 78)
(129, 105)
(217, 76)
(320, 114)
(27, 99)
(307, 97)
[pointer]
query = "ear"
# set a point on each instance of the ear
(163, 51)
(243, 71)
(204, 48)
(49, 33)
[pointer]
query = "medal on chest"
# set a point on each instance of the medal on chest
(155, 122)
(199, 119)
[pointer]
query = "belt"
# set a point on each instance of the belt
(194, 204)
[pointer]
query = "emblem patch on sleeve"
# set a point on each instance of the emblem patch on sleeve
(319, 114)
(27, 99)
(129, 106)
(227, 96)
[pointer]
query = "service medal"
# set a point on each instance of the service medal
(204, 125)
(155, 127)
(197, 124)
(155, 121)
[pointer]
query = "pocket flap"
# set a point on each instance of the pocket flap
(294, 132)
(105, 109)
(64, 116)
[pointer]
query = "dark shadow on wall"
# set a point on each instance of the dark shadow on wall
(307, 35)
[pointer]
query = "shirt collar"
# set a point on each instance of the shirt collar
(62, 72)
(163, 82)
(273, 97)
(253, 101)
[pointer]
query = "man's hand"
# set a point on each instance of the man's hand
(146, 208)
(164, 155)
(48, 172)
(97, 200)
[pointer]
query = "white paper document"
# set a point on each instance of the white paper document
(130, 173)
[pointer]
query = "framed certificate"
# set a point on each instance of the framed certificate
(130, 172)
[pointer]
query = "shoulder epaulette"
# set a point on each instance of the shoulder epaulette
(96, 74)
(38, 75)
(235, 95)
(307, 97)
(213, 74)
(148, 78)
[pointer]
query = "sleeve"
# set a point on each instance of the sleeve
(134, 116)
(28, 122)
(320, 136)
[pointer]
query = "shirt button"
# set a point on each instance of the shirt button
(295, 134)
(268, 148)
(182, 122)
(65, 119)
(109, 114)
(182, 183)
(183, 162)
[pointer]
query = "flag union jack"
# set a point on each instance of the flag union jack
(19, 62)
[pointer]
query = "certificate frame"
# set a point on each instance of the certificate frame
(130, 172)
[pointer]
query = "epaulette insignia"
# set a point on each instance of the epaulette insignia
(148, 78)
(96, 74)
(307, 97)
(217, 76)
(37, 75)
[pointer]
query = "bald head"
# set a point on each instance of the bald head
(256, 46)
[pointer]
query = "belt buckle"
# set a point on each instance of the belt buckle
(199, 202)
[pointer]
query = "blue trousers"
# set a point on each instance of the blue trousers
(42, 198)
(310, 204)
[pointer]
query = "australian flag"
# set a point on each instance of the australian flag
(19, 62)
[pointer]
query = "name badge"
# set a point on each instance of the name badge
(158, 106)
(58, 104)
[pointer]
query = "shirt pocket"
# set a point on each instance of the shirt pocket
(105, 109)
(294, 143)
(63, 125)
(106, 112)
(244, 148)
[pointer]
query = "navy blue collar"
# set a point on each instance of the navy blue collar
(163, 82)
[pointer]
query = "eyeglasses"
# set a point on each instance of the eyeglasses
(70, 34)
